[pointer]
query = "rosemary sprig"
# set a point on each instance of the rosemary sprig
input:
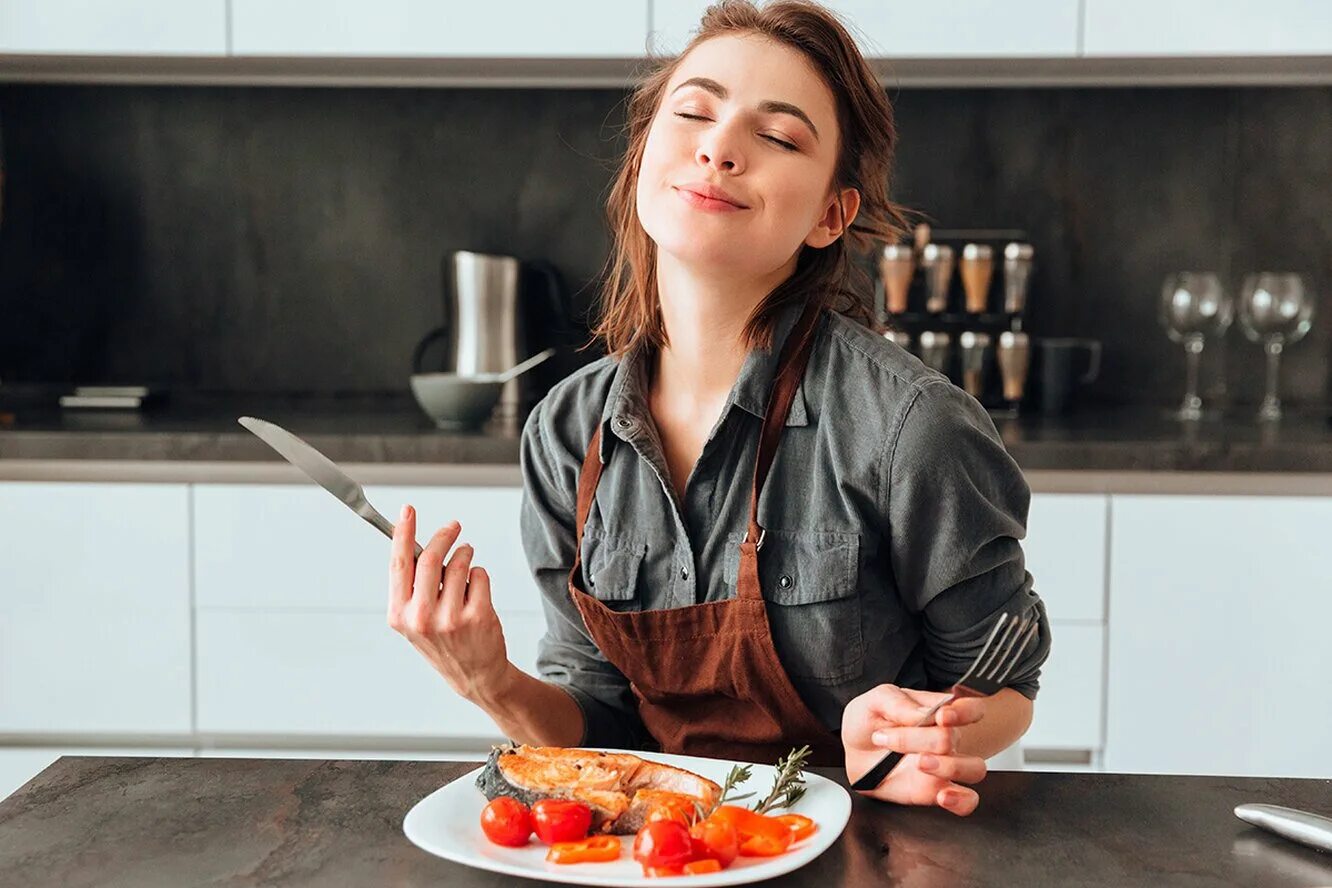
(738, 775)
(789, 785)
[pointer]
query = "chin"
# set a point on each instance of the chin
(696, 241)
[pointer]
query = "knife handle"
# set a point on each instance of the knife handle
(1299, 826)
(384, 525)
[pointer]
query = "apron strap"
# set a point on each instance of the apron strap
(790, 370)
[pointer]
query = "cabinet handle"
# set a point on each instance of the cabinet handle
(1057, 756)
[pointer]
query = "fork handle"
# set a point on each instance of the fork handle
(877, 774)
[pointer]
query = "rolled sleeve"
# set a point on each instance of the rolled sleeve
(956, 505)
(566, 654)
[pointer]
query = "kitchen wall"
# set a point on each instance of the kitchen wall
(266, 239)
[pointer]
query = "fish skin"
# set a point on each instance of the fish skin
(607, 782)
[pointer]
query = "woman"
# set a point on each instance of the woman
(706, 590)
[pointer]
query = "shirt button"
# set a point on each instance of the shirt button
(785, 581)
(684, 573)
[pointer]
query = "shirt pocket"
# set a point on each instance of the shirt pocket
(810, 581)
(610, 566)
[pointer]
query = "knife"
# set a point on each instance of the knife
(1300, 826)
(322, 470)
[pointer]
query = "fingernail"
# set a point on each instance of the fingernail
(929, 762)
(951, 798)
(402, 516)
(879, 739)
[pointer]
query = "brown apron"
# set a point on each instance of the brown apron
(707, 677)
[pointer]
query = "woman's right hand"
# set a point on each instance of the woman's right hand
(452, 623)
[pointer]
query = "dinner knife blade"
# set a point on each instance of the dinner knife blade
(322, 470)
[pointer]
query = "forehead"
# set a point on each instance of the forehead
(755, 69)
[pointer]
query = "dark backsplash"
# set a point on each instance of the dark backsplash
(290, 240)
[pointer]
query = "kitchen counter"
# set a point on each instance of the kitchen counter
(391, 431)
(164, 821)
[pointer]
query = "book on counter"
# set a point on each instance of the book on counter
(122, 397)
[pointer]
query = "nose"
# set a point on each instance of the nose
(719, 150)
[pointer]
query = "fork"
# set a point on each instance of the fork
(986, 676)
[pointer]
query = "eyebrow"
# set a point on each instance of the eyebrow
(769, 106)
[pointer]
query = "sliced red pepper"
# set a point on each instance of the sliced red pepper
(776, 836)
(596, 849)
(708, 865)
(801, 826)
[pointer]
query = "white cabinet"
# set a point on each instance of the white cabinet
(1066, 554)
(292, 591)
(273, 546)
(94, 608)
(513, 29)
(114, 27)
(898, 29)
(1207, 28)
(1218, 648)
(334, 674)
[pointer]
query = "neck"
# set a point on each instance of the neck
(705, 317)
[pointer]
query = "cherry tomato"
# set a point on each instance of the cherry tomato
(663, 843)
(695, 867)
(801, 826)
(560, 820)
(506, 821)
(594, 849)
(658, 872)
(715, 840)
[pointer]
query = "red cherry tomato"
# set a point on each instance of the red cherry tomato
(559, 820)
(715, 840)
(663, 844)
(506, 821)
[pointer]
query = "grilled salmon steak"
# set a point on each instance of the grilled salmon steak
(621, 789)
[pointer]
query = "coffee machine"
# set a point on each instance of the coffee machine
(498, 310)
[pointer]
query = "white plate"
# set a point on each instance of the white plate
(448, 823)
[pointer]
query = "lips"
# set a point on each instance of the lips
(710, 195)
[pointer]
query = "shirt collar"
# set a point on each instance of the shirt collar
(626, 408)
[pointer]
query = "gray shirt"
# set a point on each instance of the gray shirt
(893, 518)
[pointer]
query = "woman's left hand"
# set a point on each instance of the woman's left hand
(932, 772)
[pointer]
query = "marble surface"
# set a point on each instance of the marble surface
(161, 821)
(391, 429)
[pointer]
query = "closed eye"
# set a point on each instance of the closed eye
(776, 141)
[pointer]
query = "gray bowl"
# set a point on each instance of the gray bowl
(456, 402)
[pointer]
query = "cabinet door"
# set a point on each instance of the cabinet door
(1207, 28)
(94, 608)
(898, 29)
(1065, 551)
(288, 546)
(1219, 614)
(514, 29)
(1069, 706)
(122, 27)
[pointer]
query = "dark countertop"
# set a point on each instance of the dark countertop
(390, 429)
(171, 821)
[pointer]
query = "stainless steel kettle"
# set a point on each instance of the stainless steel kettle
(487, 315)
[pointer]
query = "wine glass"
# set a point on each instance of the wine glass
(1194, 306)
(1276, 309)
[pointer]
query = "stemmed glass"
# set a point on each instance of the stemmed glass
(1276, 309)
(1194, 306)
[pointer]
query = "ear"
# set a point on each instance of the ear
(833, 223)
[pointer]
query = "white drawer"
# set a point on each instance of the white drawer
(295, 546)
(1065, 550)
(333, 674)
(1068, 712)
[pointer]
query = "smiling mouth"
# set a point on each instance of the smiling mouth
(704, 202)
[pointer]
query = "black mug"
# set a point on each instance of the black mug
(1059, 371)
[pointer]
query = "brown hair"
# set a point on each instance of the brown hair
(630, 311)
